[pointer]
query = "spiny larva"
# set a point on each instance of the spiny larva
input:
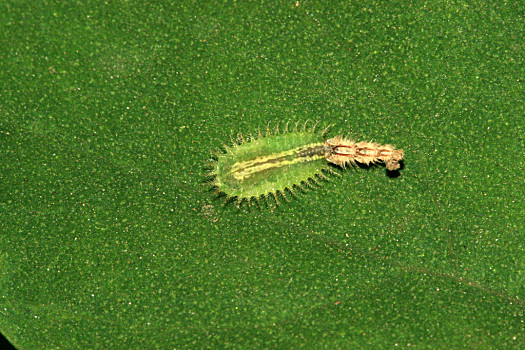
(277, 162)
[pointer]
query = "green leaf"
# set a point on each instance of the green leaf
(110, 233)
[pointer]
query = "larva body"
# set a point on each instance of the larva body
(270, 164)
(280, 162)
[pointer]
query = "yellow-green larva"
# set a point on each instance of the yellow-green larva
(279, 162)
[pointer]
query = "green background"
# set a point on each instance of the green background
(111, 237)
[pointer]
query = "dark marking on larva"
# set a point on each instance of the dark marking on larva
(317, 150)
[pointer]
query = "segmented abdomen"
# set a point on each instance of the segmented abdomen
(342, 151)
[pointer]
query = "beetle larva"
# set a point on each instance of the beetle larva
(273, 163)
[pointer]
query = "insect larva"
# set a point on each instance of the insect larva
(280, 162)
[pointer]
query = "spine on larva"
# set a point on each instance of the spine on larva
(342, 152)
